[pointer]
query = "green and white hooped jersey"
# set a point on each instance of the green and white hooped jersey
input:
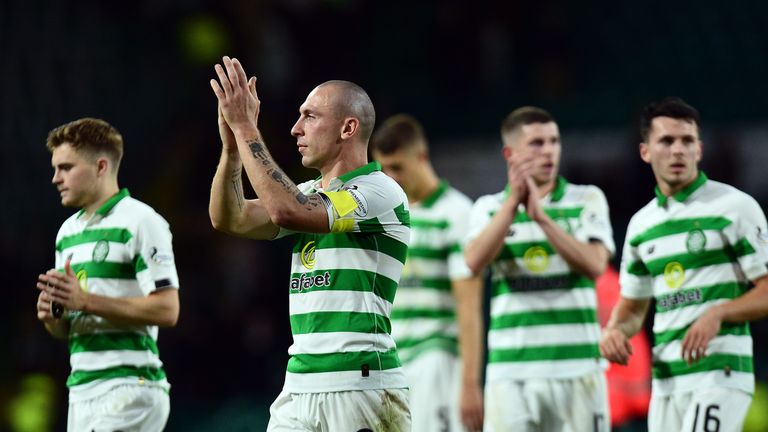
(343, 285)
(691, 251)
(123, 250)
(543, 314)
(424, 315)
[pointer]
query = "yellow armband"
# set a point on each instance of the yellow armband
(343, 204)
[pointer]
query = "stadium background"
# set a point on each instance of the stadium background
(458, 66)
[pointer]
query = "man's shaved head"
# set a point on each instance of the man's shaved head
(353, 101)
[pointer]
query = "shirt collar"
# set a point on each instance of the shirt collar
(682, 195)
(109, 204)
(430, 200)
(338, 182)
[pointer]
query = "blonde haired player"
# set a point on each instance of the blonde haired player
(116, 279)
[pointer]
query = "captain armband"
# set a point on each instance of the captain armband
(341, 206)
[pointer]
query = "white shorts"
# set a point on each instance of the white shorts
(557, 405)
(125, 408)
(353, 411)
(718, 409)
(434, 380)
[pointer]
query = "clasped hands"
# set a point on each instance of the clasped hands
(522, 187)
(62, 288)
(239, 103)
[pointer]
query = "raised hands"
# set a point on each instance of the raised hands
(238, 101)
(532, 205)
(225, 132)
(519, 167)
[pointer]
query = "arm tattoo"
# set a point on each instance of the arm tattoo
(237, 185)
(309, 201)
(313, 202)
(257, 149)
(260, 152)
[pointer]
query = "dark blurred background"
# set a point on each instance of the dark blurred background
(458, 66)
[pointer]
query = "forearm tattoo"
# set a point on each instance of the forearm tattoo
(237, 185)
(259, 152)
(257, 149)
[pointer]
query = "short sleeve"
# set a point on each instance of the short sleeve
(749, 238)
(457, 266)
(595, 220)
(155, 262)
(366, 202)
(479, 216)
(635, 279)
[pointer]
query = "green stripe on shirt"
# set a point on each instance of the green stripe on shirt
(116, 235)
(734, 329)
(677, 226)
(691, 261)
(439, 224)
(545, 317)
(438, 284)
(83, 377)
(402, 313)
(517, 250)
(112, 341)
(107, 270)
(554, 213)
(544, 353)
(324, 322)
(428, 252)
(344, 361)
(728, 362)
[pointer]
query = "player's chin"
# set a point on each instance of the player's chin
(545, 177)
(67, 201)
(308, 162)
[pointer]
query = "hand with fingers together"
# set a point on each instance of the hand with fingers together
(62, 288)
(532, 205)
(703, 330)
(45, 307)
(518, 169)
(238, 101)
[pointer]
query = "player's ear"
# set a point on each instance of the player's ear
(103, 166)
(644, 153)
(423, 154)
(350, 127)
(701, 151)
(506, 151)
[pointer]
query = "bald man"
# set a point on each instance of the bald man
(352, 228)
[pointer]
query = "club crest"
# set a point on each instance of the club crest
(696, 241)
(100, 251)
